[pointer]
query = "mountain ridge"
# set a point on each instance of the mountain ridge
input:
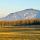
(24, 14)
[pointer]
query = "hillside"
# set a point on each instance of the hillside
(22, 15)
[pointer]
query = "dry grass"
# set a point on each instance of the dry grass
(32, 35)
(22, 34)
(19, 33)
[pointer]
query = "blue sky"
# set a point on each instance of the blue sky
(9, 6)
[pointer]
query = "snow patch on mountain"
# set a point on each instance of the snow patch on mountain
(24, 14)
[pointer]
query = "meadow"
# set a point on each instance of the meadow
(10, 33)
(12, 30)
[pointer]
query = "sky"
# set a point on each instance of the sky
(11, 6)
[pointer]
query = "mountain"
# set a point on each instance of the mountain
(24, 14)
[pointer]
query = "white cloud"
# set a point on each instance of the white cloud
(5, 12)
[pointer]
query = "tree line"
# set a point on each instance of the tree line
(20, 22)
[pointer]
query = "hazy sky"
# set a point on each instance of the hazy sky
(9, 6)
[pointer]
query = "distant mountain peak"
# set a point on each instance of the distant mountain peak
(24, 14)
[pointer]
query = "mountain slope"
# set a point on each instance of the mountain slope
(24, 14)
